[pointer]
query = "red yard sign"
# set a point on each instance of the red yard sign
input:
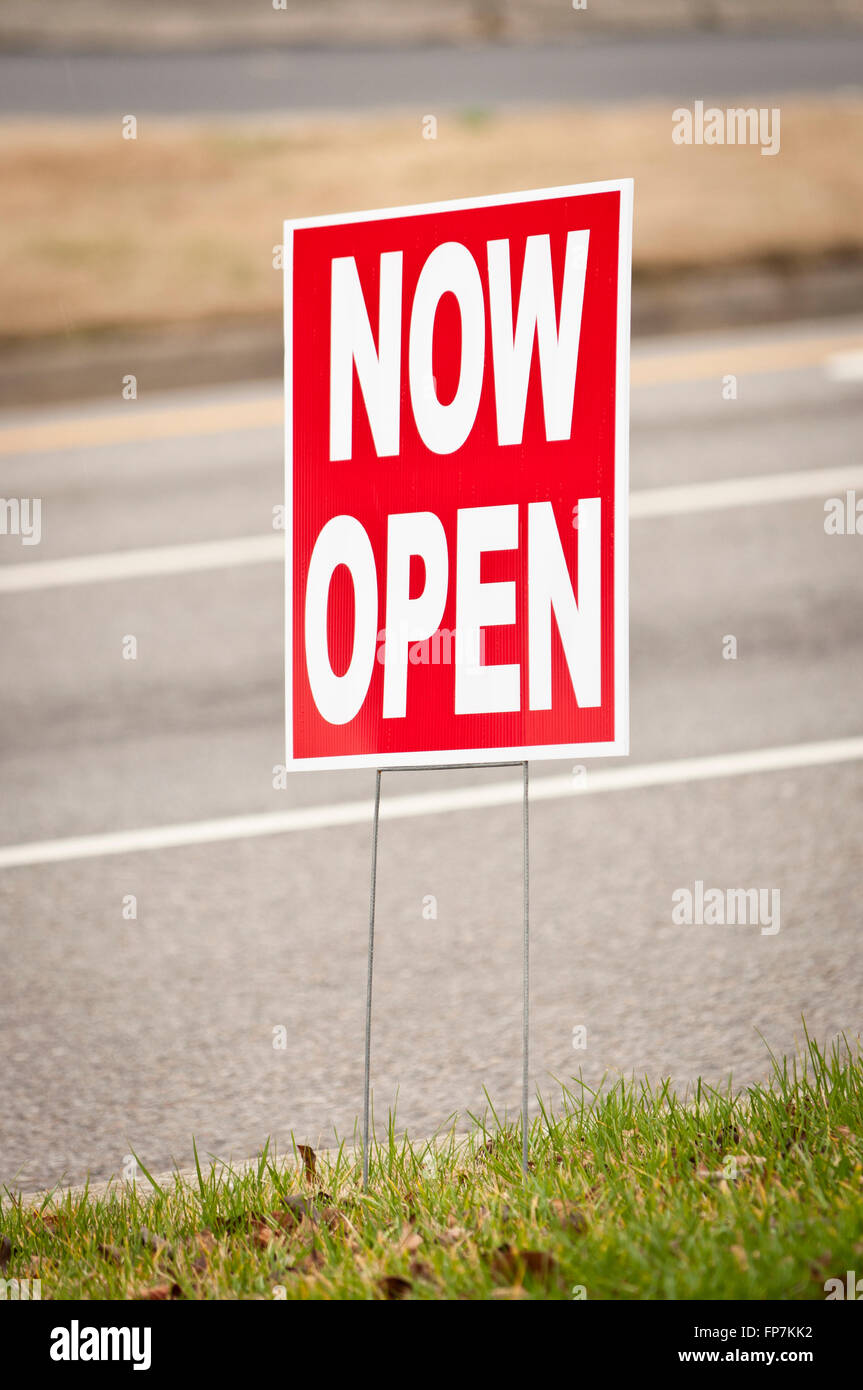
(456, 389)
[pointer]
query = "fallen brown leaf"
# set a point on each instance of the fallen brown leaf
(312, 1260)
(392, 1286)
(263, 1234)
(512, 1265)
(453, 1236)
(569, 1215)
(333, 1219)
(538, 1261)
(158, 1293)
(293, 1210)
(112, 1252)
(156, 1243)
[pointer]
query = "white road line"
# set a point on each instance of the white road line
(141, 564)
(433, 803)
(645, 504)
(845, 366)
(744, 492)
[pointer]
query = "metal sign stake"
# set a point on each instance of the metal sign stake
(525, 1037)
(525, 1000)
(369, 973)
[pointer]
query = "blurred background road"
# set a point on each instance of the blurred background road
(124, 1032)
(686, 65)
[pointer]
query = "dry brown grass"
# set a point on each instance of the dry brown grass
(180, 225)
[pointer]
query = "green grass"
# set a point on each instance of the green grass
(632, 1193)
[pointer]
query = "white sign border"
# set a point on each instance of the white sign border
(619, 746)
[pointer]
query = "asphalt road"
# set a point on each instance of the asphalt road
(680, 66)
(119, 1034)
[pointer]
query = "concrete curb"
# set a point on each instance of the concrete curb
(50, 370)
(114, 1188)
(117, 1188)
